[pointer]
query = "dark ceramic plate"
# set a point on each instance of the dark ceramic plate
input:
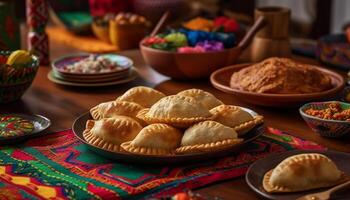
(40, 124)
(256, 171)
(79, 126)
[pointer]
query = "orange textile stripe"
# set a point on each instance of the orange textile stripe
(46, 192)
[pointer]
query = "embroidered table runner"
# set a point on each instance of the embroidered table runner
(59, 166)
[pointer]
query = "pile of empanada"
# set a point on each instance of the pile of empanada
(147, 122)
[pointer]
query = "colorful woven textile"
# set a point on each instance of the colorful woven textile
(59, 166)
(83, 43)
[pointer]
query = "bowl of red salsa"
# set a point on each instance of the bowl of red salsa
(329, 119)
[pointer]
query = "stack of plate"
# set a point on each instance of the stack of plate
(59, 75)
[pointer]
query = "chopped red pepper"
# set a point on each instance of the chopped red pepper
(154, 40)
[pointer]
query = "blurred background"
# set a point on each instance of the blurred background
(310, 18)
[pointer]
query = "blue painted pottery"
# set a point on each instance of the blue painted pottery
(325, 127)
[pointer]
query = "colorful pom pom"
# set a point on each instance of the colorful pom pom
(187, 49)
(164, 46)
(177, 39)
(153, 40)
(211, 45)
(193, 37)
(199, 24)
(228, 25)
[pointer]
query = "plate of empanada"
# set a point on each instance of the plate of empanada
(294, 174)
(146, 126)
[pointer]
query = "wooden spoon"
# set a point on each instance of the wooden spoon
(326, 194)
(160, 23)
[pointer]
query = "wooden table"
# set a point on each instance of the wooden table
(63, 104)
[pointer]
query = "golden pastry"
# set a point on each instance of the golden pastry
(175, 110)
(280, 76)
(154, 139)
(109, 133)
(207, 99)
(141, 95)
(236, 118)
(303, 172)
(207, 136)
(115, 108)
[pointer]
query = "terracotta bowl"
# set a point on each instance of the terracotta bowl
(221, 80)
(188, 65)
(196, 65)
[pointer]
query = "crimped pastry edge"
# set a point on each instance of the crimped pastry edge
(176, 122)
(213, 146)
(246, 126)
(128, 106)
(128, 147)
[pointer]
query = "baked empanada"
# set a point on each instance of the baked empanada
(207, 136)
(154, 139)
(303, 172)
(109, 133)
(115, 108)
(207, 99)
(175, 110)
(236, 118)
(141, 95)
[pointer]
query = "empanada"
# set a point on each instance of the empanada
(175, 110)
(109, 133)
(154, 139)
(303, 172)
(236, 118)
(141, 95)
(115, 108)
(206, 98)
(207, 136)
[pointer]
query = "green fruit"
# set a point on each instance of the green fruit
(19, 57)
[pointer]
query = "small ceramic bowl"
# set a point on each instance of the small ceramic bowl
(325, 127)
(15, 80)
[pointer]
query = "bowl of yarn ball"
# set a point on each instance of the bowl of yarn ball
(198, 48)
(17, 72)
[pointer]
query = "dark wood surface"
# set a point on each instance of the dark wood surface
(63, 104)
